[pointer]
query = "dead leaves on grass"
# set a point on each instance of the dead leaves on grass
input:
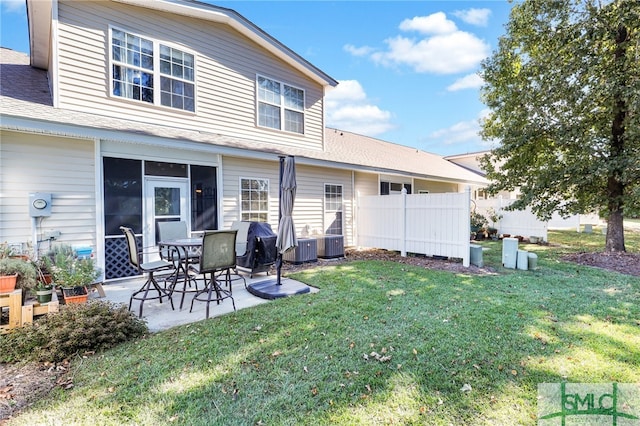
(5, 392)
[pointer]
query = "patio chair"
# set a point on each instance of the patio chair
(168, 231)
(151, 285)
(218, 257)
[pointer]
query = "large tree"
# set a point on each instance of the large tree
(563, 89)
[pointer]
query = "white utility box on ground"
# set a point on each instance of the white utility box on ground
(476, 255)
(522, 262)
(509, 252)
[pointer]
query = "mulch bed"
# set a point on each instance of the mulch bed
(625, 263)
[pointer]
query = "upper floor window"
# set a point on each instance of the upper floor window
(149, 71)
(280, 106)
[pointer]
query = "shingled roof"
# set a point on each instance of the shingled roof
(25, 105)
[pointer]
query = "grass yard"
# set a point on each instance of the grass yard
(381, 343)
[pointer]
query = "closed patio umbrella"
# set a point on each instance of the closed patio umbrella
(286, 228)
(286, 240)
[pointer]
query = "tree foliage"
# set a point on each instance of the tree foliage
(563, 88)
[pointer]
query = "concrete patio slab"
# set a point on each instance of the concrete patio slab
(159, 316)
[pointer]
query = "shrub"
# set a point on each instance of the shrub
(70, 271)
(75, 329)
(25, 270)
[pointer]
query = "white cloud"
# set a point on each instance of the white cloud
(358, 51)
(444, 50)
(348, 108)
(13, 6)
(479, 17)
(436, 23)
(441, 54)
(462, 132)
(471, 81)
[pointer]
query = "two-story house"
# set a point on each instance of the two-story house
(131, 112)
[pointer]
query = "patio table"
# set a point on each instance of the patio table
(184, 249)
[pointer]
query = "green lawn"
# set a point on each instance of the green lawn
(381, 343)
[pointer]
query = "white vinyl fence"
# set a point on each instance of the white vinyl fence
(429, 224)
(519, 222)
(524, 222)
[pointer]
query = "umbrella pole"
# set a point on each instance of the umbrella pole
(279, 255)
(278, 269)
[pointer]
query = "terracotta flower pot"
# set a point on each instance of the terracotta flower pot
(8, 283)
(78, 294)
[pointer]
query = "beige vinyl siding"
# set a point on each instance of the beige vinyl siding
(226, 68)
(366, 184)
(309, 209)
(434, 187)
(142, 151)
(63, 167)
(309, 204)
(233, 169)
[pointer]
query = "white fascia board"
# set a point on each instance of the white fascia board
(40, 31)
(236, 21)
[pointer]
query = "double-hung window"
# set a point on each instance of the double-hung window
(149, 71)
(254, 199)
(280, 106)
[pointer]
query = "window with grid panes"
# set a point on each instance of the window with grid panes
(333, 209)
(146, 70)
(280, 106)
(254, 199)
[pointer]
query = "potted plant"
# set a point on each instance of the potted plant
(494, 217)
(44, 268)
(44, 292)
(16, 274)
(73, 275)
(477, 225)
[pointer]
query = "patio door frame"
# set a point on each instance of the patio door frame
(150, 217)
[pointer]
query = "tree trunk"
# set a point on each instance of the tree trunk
(615, 187)
(615, 232)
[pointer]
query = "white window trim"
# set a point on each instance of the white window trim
(156, 72)
(240, 210)
(324, 204)
(281, 106)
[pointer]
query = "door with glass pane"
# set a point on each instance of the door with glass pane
(165, 200)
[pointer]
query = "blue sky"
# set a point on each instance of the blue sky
(407, 69)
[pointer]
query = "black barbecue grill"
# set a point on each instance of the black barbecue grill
(261, 249)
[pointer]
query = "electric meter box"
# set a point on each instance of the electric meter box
(39, 204)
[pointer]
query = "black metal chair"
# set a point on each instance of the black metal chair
(218, 257)
(151, 285)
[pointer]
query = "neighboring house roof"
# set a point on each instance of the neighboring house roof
(25, 105)
(470, 161)
(387, 157)
(40, 16)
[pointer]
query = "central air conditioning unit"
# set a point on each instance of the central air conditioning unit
(307, 251)
(330, 246)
